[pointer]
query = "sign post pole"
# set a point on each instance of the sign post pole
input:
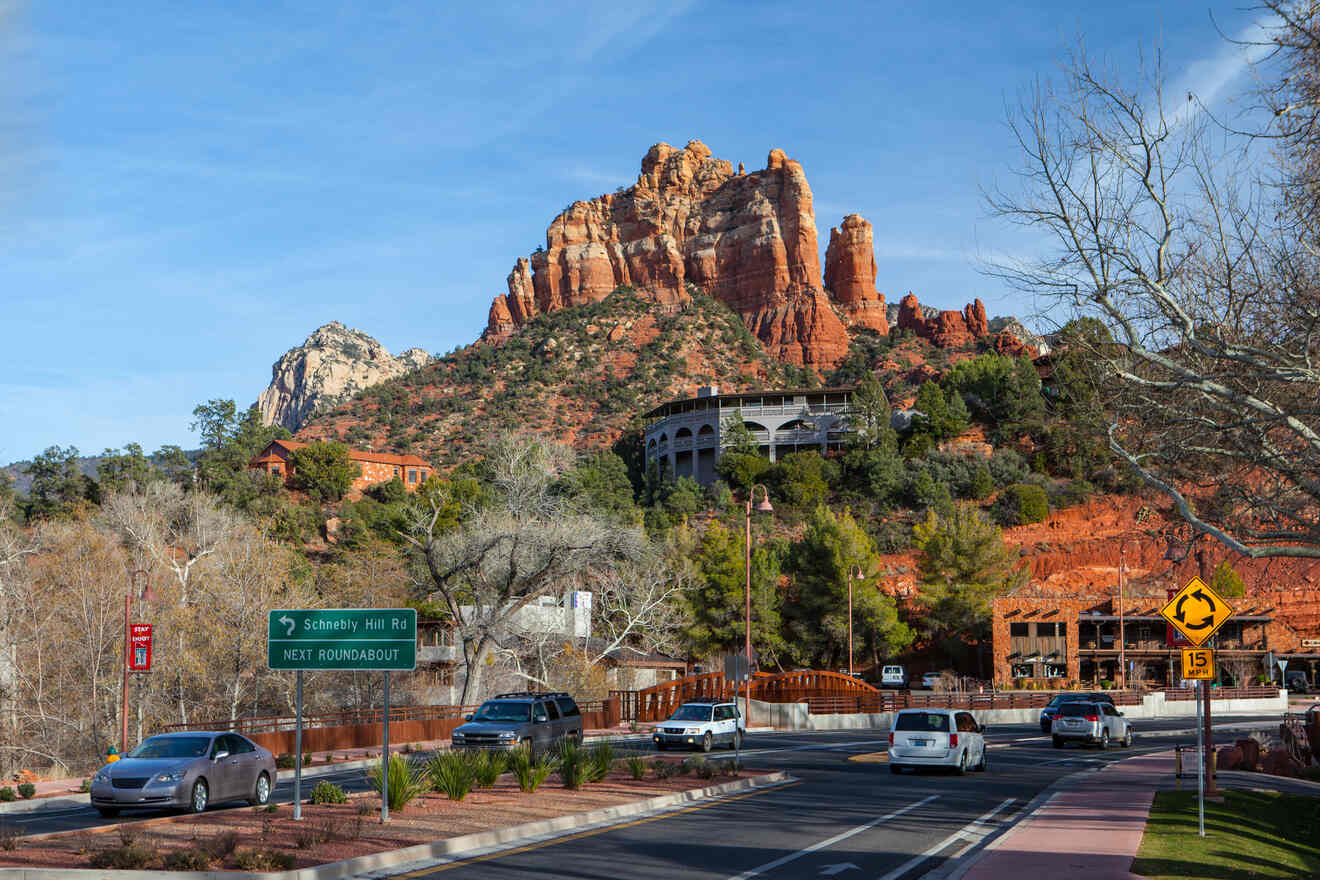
(297, 751)
(385, 755)
(1200, 766)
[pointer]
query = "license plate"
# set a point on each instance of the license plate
(920, 742)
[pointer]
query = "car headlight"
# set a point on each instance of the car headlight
(101, 776)
(172, 776)
(692, 730)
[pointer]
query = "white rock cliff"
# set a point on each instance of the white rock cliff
(333, 364)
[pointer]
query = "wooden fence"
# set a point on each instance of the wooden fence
(357, 729)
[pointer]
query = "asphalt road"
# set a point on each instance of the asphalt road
(839, 818)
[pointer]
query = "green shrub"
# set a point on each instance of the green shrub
(26, 790)
(664, 769)
(190, 859)
(703, 768)
(488, 766)
(530, 770)
(1022, 503)
(453, 773)
(6, 793)
(221, 845)
(573, 763)
(86, 784)
(405, 781)
(253, 859)
(284, 761)
(600, 761)
(326, 792)
(127, 856)
(636, 764)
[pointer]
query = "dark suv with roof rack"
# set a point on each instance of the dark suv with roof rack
(506, 721)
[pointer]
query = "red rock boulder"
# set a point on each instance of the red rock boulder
(1228, 758)
(1250, 750)
(1279, 763)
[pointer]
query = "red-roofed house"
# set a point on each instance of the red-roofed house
(377, 467)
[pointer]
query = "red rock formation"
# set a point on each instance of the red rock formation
(1007, 344)
(1279, 763)
(749, 240)
(1250, 754)
(948, 329)
(499, 324)
(850, 273)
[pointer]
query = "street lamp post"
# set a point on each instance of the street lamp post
(764, 507)
(145, 596)
(1122, 637)
(854, 574)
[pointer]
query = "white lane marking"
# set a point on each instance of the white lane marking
(791, 857)
(972, 831)
(812, 748)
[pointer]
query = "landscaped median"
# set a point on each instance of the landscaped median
(340, 839)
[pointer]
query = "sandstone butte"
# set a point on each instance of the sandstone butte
(748, 240)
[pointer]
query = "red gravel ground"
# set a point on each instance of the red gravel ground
(331, 833)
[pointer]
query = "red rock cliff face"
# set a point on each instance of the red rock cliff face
(948, 329)
(850, 273)
(749, 240)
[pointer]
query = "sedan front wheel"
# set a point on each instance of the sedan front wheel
(201, 795)
(261, 791)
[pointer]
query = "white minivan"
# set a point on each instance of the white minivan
(936, 738)
(893, 677)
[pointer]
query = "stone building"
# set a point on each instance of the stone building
(684, 438)
(376, 467)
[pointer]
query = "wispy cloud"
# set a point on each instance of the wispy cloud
(1207, 78)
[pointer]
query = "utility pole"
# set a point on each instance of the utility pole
(1122, 601)
(1209, 756)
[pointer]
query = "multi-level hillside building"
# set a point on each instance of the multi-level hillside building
(376, 467)
(684, 438)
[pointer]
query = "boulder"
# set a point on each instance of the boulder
(1228, 758)
(1250, 753)
(1279, 763)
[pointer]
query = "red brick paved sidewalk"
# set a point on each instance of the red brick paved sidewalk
(1088, 831)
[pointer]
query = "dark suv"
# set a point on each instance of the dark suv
(507, 721)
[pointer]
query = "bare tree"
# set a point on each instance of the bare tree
(1169, 231)
(529, 542)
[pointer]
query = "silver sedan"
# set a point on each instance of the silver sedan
(188, 770)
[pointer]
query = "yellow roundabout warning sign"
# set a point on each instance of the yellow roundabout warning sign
(1197, 611)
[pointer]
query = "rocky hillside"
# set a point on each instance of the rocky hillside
(691, 222)
(333, 364)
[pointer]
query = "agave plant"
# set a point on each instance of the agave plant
(529, 769)
(405, 781)
(453, 773)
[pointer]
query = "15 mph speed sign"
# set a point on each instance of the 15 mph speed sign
(1197, 611)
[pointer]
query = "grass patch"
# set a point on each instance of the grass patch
(1251, 835)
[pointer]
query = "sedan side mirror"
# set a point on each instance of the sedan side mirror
(467, 717)
(220, 755)
(541, 719)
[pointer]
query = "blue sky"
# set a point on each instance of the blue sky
(188, 189)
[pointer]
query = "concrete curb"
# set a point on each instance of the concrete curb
(452, 849)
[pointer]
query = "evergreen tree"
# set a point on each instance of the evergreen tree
(816, 615)
(324, 471)
(964, 564)
(717, 602)
(58, 486)
(870, 416)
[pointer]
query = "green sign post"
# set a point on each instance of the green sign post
(381, 639)
(342, 638)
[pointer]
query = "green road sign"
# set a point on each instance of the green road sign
(342, 638)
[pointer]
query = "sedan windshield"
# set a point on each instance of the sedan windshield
(922, 721)
(504, 712)
(172, 747)
(691, 713)
(1059, 699)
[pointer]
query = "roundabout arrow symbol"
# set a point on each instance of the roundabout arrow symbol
(1206, 621)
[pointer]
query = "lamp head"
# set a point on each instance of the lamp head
(764, 506)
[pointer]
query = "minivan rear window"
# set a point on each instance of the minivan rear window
(922, 721)
(1077, 710)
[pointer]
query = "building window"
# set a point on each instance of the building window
(1017, 630)
(396, 472)
(1055, 670)
(274, 469)
(1023, 670)
(412, 475)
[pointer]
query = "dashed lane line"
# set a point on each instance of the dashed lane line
(973, 832)
(794, 856)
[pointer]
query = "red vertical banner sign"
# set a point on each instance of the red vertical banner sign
(139, 647)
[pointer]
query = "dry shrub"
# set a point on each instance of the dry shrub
(220, 846)
(191, 859)
(263, 859)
